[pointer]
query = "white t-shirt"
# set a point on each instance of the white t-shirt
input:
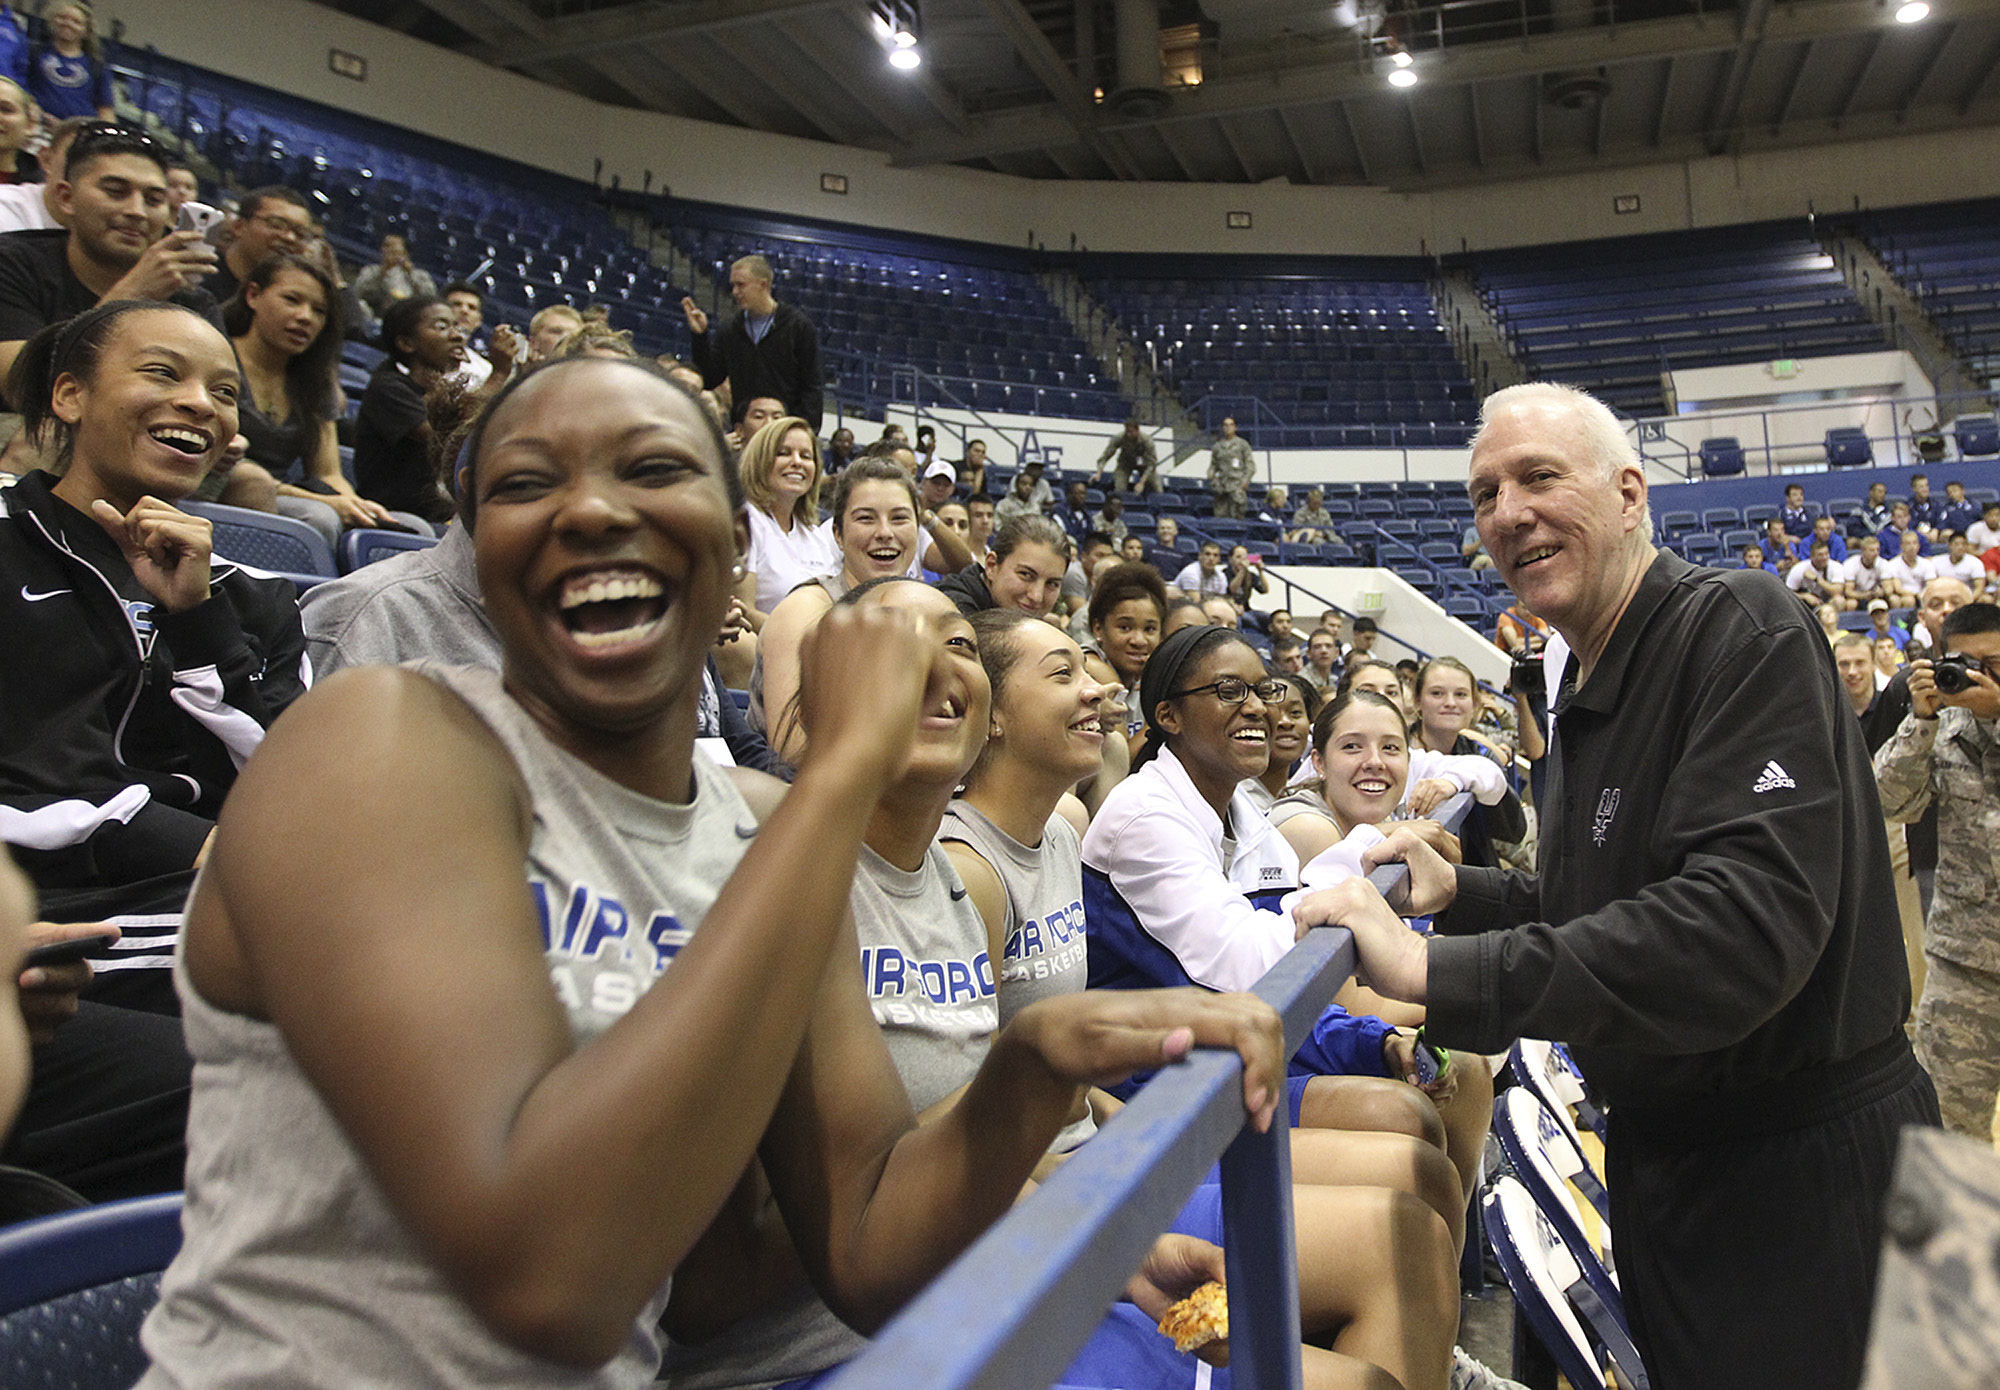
(22, 208)
(1969, 569)
(1803, 573)
(1911, 575)
(1864, 579)
(1982, 537)
(1192, 581)
(784, 561)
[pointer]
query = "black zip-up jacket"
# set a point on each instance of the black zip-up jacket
(784, 366)
(122, 726)
(1713, 912)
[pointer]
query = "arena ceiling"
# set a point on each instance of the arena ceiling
(1255, 90)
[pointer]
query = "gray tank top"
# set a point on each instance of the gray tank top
(294, 1270)
(1045, 952)
(924, 963)
(836, 586)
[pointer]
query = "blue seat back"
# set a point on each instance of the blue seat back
(1978, 435)
(275, 543)
(74, 1289)
(364, 546)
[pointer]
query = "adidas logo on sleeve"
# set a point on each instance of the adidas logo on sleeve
(1772, 778)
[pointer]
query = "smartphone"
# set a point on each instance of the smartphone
(67, 952)
(1255, 558)
(1432, 1060)
(200, 217)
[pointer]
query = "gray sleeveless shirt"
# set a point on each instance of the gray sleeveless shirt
(1045, 953)
(924, 963)
(295, 1271)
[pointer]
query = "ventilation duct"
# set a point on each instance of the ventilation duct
(1139, 95)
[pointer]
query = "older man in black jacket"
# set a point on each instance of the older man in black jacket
(1713, 927)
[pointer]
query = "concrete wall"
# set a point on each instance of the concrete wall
(1393, 604)
(283, 44)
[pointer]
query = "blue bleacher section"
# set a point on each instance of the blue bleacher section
(1948, 257)
(974, 318)
(1312, 355)
(1611, 316)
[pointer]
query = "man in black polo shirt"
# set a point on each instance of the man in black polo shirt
(1713, 928)
(114, 197)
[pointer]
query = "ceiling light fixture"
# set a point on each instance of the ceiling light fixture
(907, 59)
(1915, 12)
(1403, 77)
(1401, 58)
(896, 29)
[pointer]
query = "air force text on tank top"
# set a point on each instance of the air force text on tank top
(594, 927)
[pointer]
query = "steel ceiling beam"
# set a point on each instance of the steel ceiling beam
(1078, 109)
(601, 31)
(1946, 33)
(1354, 136)
(1478, 129)
(1794, 86)
(1666, 101)
(1298, 147)
(1236, 150)
(1750, 40)
(1343, 78)
(1860, 81)
(1975, 88)
(862, 94)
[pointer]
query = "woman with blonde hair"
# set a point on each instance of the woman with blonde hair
(789, 545)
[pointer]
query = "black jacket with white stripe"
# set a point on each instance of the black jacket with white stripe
(122, 727)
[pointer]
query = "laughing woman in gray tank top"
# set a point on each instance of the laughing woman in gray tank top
(455, 1120)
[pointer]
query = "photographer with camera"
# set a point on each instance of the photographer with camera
(1946, 753)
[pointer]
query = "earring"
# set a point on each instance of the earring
(993, 731)
(736, 570)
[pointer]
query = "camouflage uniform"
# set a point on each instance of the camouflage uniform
(1230, 468)
(1955, 760)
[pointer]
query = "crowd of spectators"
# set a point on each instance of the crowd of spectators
(597, 513)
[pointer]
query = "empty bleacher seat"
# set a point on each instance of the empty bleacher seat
(1848, 447)
(1978, 436)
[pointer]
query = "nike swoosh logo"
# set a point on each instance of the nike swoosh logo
(746, 832)
(957, 893)
(37, 598)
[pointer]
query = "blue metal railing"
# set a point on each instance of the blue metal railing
(1012, 1312)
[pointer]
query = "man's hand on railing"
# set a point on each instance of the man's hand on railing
(1431, 884)
(1390, 959)
(1102, 1036)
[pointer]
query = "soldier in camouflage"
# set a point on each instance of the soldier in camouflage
(1947, 751)
(1230, 469)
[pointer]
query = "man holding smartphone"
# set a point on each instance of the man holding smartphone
(114, 196)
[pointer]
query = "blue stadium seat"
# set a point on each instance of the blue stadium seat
(365, 545)
(275, 544)
(75, 1287)
(1848, 447)
(1755, 517)
(1978, 436)
(1679, 523)
(1721, 457)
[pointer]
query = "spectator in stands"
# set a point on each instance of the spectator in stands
(1879, 626)
(284, 324)
(393, 278)
(1874, 512)
(876, 527)
(182, 186)
(1829, 620)
(1183, 612)
(549, 329)
(1322, 659)
(157, 667)
(1110, 519)
(1836, 545)
(767, 348)
(1127, 610)
(1888, 657)
(1279, 624)
(1904, 577)
(1447, 706)
(1029, 495)
(1958, 562)
(1270, 513)
(927, 448)
(1312, 523)
(470, 305)
(17, 123)
(1024, 569)
(1074, 514)
(27, 207)
(1984, 534)
(1132, 550)
(979, 511)
(1519, 632)
(972, 468)
(1753, 559)
(1899, 526)
(1856, 665)
(1204, 574)
(269, 221)
(1246, 576)
(789, 546)
(1956, 512)
(954, 517)
(1946, 753)
(1230, 469)
(1165, 554)
(1223, 612)
(68, 76)
(1473, 550)
(1136, 461)
(1780, 548)
(1361, 638)
(1793, 516)
(393, 439)
(1925, 511)
(114, 198)
(939, 480)
(1817, 579)
(1288, 656)
(839, 447)
(1864, 569)
(753, 414)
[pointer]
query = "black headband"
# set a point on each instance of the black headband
(1162, 677)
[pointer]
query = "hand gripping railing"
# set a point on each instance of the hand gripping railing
(1012, 1312)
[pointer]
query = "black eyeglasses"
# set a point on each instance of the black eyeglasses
(1234, 690)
